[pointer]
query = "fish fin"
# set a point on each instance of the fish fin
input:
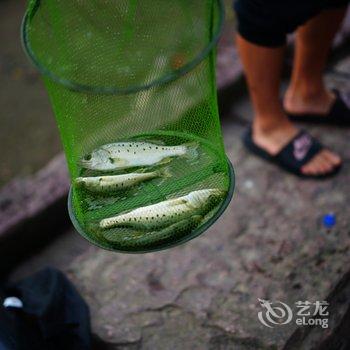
(155, 142)
(118, 161)
(196, 218)
(117, 235)
(165, 160)
(165, 173)
(191, 150)
(139, 171)
(177, 201)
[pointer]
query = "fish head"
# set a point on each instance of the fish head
(210, 196)
(98, 160)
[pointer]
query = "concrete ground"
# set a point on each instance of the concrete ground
(269, 244)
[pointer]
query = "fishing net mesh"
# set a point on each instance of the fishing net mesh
(137, 71)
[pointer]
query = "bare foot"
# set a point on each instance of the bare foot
(274, 139)
(312, 103)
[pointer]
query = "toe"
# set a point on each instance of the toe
(332, 157)
(325, 163)
(311, 167)
(321, 164)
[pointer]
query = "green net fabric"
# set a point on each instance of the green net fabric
(132, 71)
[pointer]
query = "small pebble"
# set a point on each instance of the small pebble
(248, 184)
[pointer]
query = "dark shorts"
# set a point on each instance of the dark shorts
(267, 22)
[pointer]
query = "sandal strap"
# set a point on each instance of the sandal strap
(299, 151)
(338, 115)
(340, 109)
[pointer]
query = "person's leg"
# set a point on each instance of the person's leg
(271, 127)
(262, 66)
(307, 92)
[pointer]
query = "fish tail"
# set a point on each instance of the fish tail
(84, 164)
(79, 181)
(94, 226)
(108, 223)
(191, 150)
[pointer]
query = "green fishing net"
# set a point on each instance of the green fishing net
(137, 74)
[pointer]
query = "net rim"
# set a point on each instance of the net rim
(198, 231)
(113, 90)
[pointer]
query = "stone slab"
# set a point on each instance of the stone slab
(32, 211)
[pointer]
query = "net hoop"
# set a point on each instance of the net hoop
(114, 90)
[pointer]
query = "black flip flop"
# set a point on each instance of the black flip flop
(338, 115)
(292, 157)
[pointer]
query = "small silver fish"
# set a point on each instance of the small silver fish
(111, 183)
(155, 216)
(123, 155)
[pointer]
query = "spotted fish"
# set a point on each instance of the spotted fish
(123, 155)
(155, 216)
(131, 238)
(113, 183)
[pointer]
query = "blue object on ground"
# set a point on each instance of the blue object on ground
(329, 220)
